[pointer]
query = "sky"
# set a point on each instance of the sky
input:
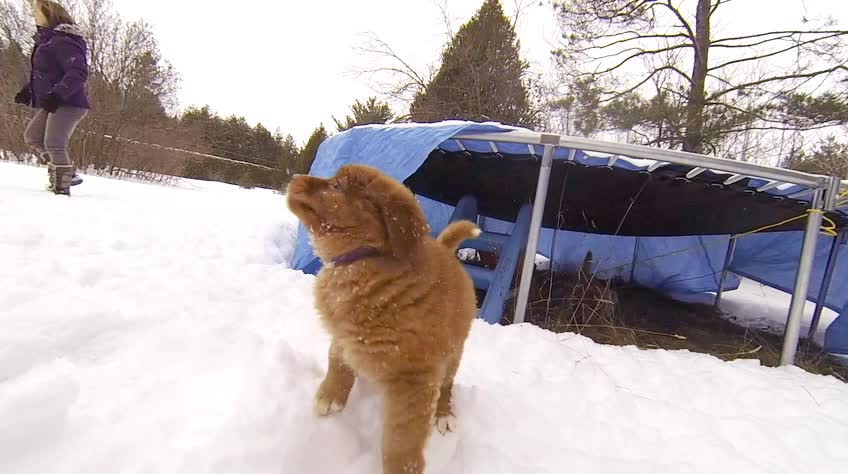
(293, 64)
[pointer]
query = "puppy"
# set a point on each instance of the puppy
(396, 303)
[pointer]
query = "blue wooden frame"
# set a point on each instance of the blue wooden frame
(497, 282)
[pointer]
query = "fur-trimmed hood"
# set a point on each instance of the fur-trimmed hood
(69, 29)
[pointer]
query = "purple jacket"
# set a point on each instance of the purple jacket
(59, 66)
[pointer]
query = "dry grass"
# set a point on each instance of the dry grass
(649, 320)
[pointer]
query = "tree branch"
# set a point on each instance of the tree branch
(785, 128)
(639, 84)
(635, 38)
(443, 8)
(773, 53)
(751, 45)
(383, 49)
(783, 32)
(615, 54)
(743, 111)
(778, 78)
(681, 73)
(683, 23)
(718, 3)
(643, 53)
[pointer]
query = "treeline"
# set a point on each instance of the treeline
(252, 156)
(133, 128)
(622, 74)
(131, 88)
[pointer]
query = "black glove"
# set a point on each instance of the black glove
(23, 97)
(51, 103)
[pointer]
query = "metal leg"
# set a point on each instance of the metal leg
(825, 285)
(728, 257)
(633, 263)
(533, 237)
(802, 282)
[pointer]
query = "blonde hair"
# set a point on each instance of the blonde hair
(53, 12)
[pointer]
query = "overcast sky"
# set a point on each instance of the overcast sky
(290, 64)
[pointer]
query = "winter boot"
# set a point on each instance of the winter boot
(75, 178)
(60, 178)
(51, 177)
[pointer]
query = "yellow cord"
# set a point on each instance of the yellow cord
(829, 228)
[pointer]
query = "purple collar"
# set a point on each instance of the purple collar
(354, 255)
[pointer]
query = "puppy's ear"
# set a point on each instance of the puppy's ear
(402, 217)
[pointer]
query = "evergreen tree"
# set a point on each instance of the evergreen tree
(233, 138)
(310, 150)
(481, 76)
(830, 157)
(369, 112)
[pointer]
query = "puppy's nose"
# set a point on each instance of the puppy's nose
(296, 184)
(303, 183)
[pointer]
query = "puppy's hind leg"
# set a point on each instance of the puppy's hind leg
(334, 390)
(410, 406)
(445, 419)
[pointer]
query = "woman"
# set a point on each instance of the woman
(57, 88)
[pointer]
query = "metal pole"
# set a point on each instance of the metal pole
(633, 263)
(825, 285)
(802, 281)
(731, 250)
(662, 154)
(535, 228)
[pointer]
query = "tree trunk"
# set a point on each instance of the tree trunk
(693, 140)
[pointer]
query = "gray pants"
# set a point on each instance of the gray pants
(51, 132)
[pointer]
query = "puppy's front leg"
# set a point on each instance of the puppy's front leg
(410, 406)
(334, 390)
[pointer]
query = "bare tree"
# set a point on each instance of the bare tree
(16, 24)
(130, 86)
(721, 85)
(16, 39)
(391, 75)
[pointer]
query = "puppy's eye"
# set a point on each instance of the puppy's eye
(336, 184)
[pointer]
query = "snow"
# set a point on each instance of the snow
(158, 329)
(763, 307)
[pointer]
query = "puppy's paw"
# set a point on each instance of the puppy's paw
(326, 406)
(446, 423)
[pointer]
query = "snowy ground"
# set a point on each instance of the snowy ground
(763, 307)
(152, 329)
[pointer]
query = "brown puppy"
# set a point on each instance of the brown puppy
(397, 303)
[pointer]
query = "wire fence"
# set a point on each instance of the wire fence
(25, 120)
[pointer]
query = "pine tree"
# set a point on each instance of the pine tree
(830, 157)
(310, 150)
(369, 112)
(481, 76)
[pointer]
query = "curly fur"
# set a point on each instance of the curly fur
(400, 317)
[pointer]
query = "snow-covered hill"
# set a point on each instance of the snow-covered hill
(154, 329)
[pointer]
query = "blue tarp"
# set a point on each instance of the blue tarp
(674, 265)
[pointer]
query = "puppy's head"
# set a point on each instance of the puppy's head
(358, 207)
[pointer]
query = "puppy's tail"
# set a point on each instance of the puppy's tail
(456, 232)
